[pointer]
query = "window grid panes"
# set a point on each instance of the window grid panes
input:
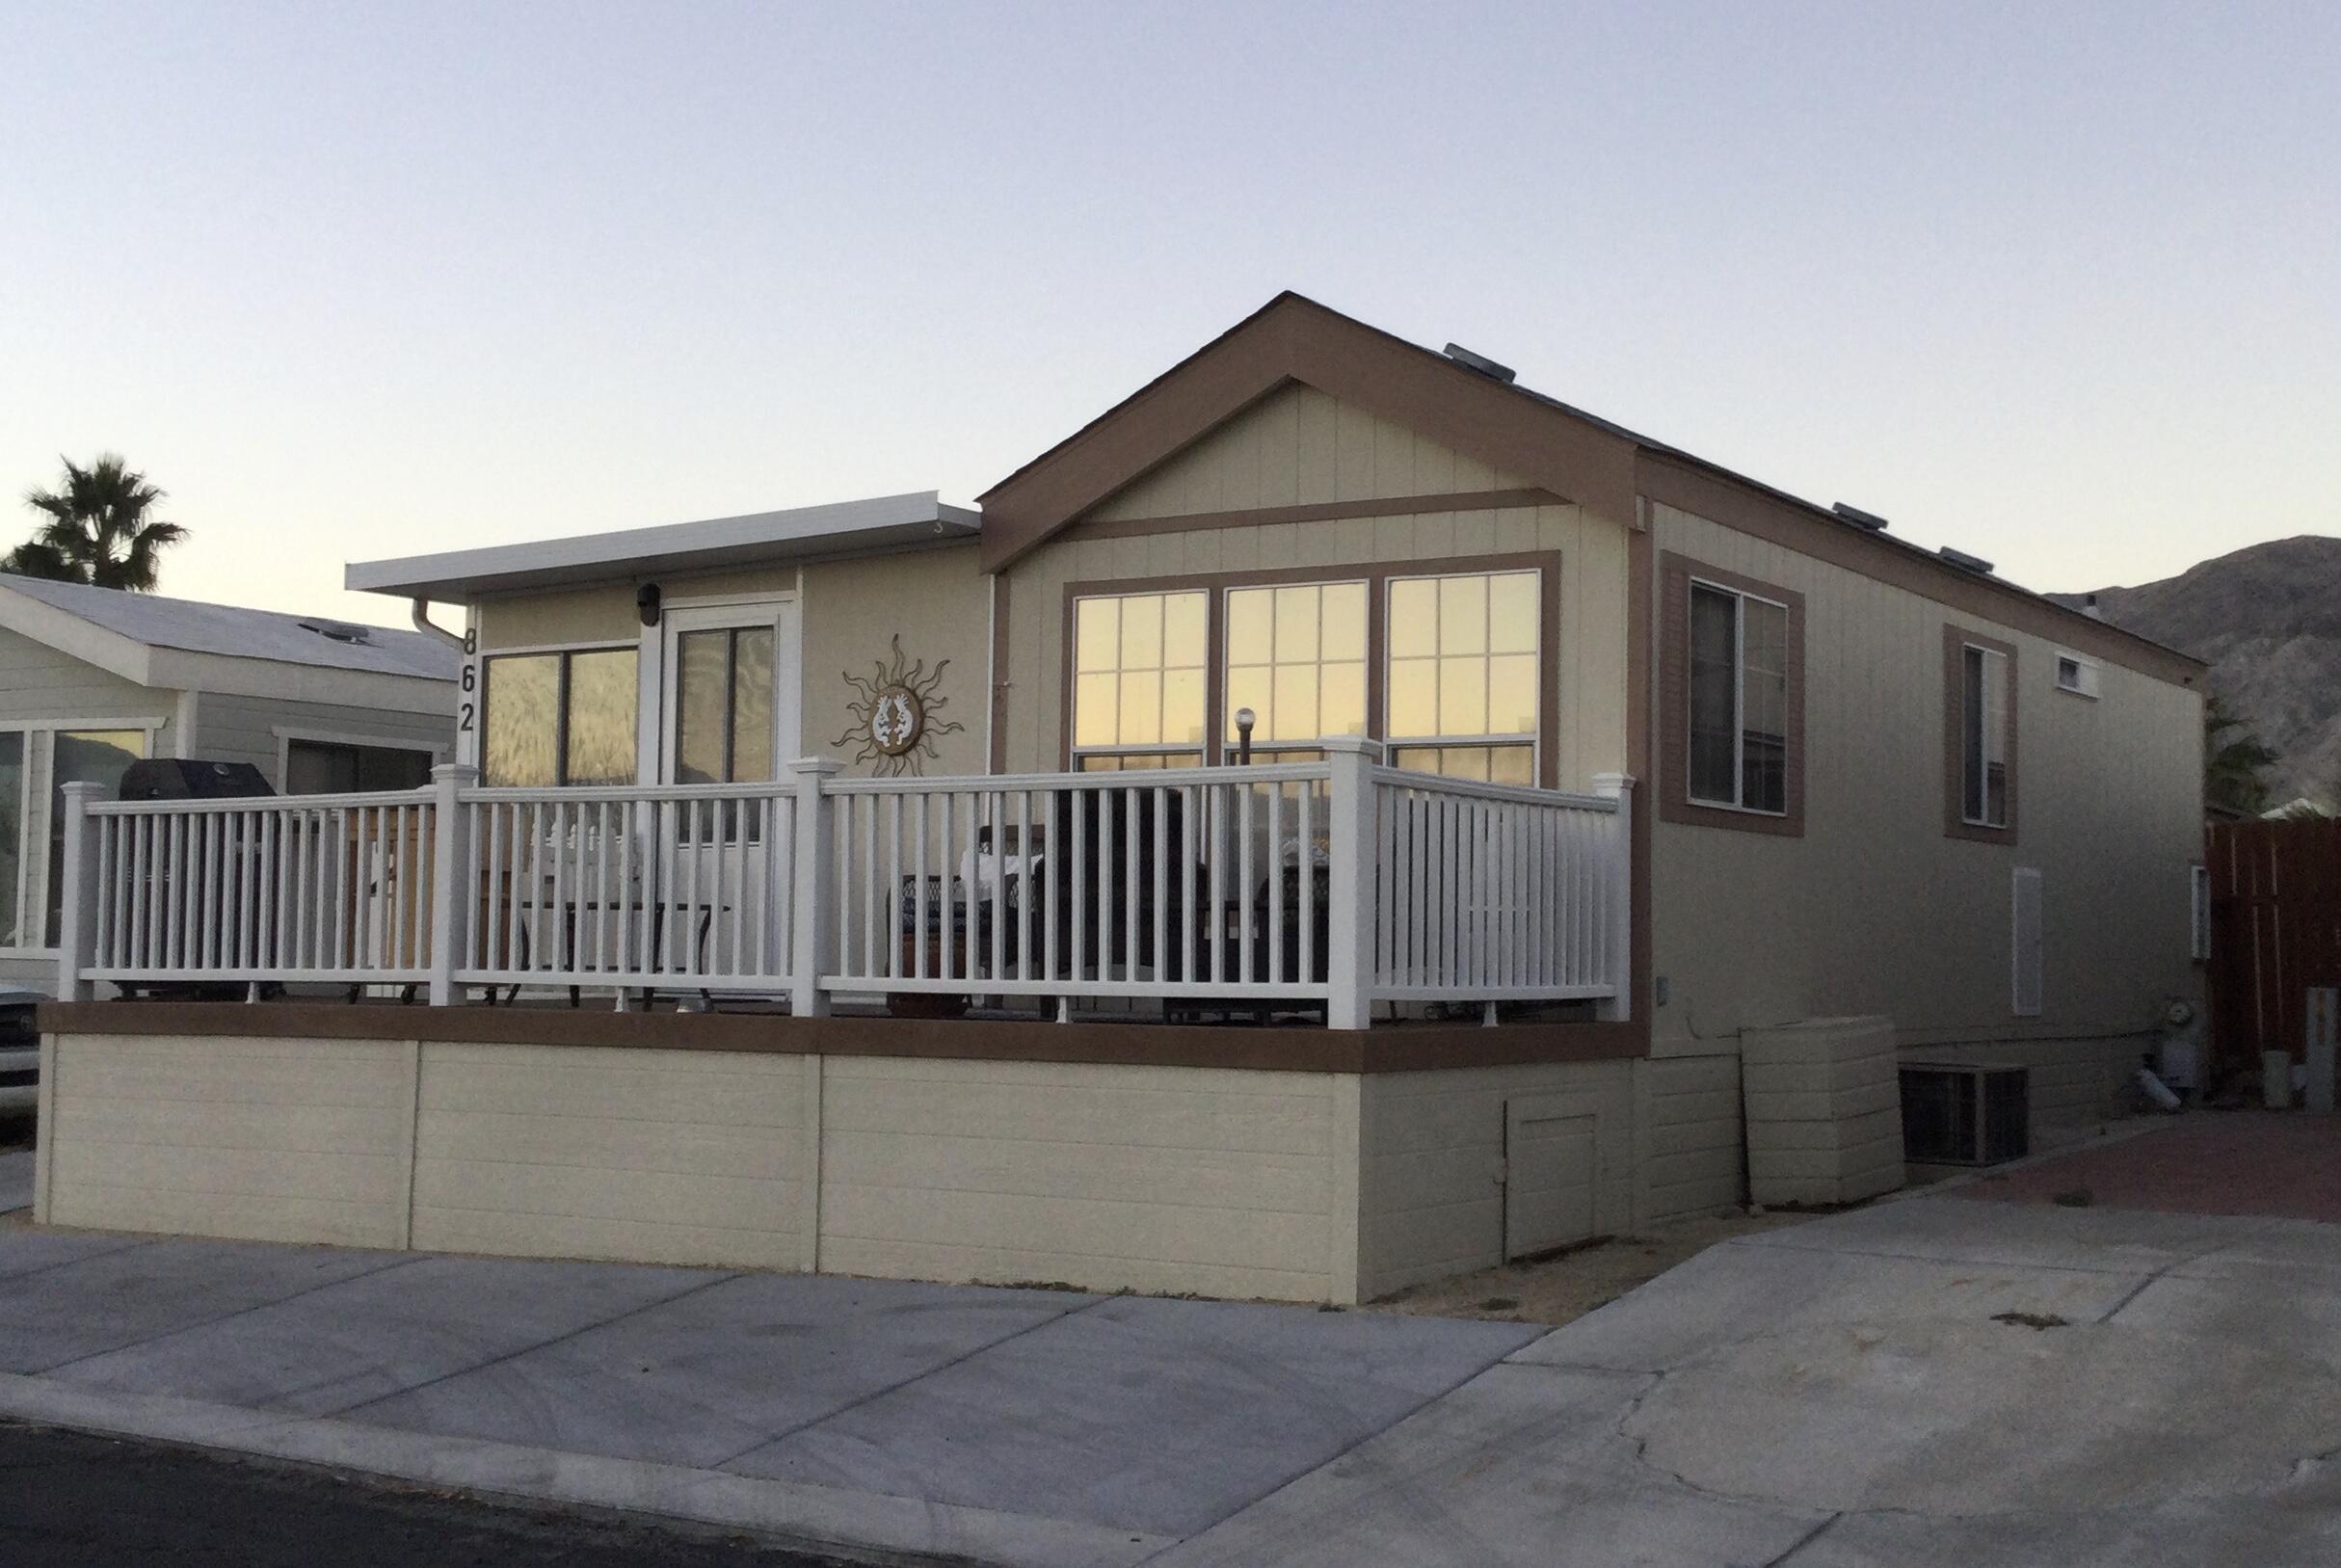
(1140, 662)
(1463, 679)
(1983, 731)
(1296, 657)
(559, 718)
(1737, 707)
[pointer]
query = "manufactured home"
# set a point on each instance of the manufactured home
(1337, 818)
(92, 679)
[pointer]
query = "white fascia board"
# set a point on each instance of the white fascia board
(877, 523)
(73, 636)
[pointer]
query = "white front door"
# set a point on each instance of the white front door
(728, 715)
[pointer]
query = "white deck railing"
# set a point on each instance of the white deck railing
(1337, 884)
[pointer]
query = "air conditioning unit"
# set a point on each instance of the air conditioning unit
(1965, 1113)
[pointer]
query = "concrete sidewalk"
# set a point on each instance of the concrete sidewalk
(1005, 1426)
(1933, 1381)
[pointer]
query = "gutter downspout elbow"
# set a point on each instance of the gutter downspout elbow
(421, 608)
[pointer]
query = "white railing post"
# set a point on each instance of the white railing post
(1618, 960)
(454, 883)
(813, 857)
(77, 923)
(1349, 880)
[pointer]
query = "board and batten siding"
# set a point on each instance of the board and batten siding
(1875, 910)
(1301, 447)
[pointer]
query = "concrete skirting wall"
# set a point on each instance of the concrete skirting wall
(1303, 1185)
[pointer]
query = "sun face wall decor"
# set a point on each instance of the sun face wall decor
(897, 715)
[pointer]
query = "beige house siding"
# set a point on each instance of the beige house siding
(1875, 910)
(652, 1155)
(1300, 447)
(937, 602)
(1431, 1172)
(1694, 1157)
(269, 1139)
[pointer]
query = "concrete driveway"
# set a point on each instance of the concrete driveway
(1932, 1381)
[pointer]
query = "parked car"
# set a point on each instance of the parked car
(20, 1050)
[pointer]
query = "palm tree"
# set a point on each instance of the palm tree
(2235, 770)
(97, 530)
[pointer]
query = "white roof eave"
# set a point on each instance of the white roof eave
(800, 533)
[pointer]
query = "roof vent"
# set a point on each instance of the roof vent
(1965, 562)
(339, 631)
(1481, 362)
(2089, 607)
(1859, 518)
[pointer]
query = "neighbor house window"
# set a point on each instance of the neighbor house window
(13, 803)
(1983, 737)
(336, 767)
(1737, 707)
(1463, 666)
(79, 754)
(1295, 658)
(1139, 680)
(560, 718)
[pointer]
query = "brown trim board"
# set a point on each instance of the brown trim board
(1956, 640)
(1376, 577)
(1672, 785)
(1406, 1048)
(1671, 482)
(1260, 516)
(1296, 340)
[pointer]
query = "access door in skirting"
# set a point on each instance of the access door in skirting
(1550, 1165)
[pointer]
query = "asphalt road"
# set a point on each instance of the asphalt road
(69, 1499)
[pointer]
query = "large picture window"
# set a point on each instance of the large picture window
(1296, 657)
(560, 718)
(1139, 663)
(342, 767)
(1447, 667)
(1463, 674)
(1737, 707)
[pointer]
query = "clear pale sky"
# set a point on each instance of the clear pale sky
(2058, 283)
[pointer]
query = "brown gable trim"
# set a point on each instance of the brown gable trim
(1955, 825)
(1260, 516)
(1673, 782)
(1293, 339)
(1376, 574)
(1406, 1048)
(1794, 526)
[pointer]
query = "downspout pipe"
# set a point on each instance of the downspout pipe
(421, 610)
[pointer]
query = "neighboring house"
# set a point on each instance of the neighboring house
(1858, 778)
(91, 679)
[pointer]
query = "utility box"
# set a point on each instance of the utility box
(1825, 1111)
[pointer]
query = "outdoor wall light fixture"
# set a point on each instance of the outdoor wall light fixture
(1245, 718)
(645, 601)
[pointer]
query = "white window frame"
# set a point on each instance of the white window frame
(1202, 749)
(778, 611)
(1985, 739)
(1739, 700)
(2084, 676)
(1379, 724)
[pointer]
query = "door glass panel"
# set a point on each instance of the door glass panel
(752, 706)
(702, 705)
(99, 755)
(12, 832)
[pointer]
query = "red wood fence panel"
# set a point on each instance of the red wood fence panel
(2275, 930)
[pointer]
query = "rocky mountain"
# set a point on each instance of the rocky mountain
(2266, 619)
